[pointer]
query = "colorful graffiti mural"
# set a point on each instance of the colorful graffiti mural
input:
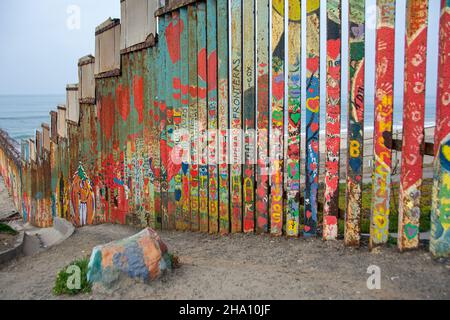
(82, 198)
(201, 128)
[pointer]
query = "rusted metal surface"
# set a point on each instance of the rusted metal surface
(165, 138)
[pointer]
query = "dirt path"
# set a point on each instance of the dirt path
(241, 267)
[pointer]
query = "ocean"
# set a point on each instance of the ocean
(21, 115)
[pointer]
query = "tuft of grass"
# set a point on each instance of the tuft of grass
(65, 279)
(425, 217)
(4, 228)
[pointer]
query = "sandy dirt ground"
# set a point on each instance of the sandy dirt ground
(241, 267)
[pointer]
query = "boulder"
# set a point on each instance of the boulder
(143, 256)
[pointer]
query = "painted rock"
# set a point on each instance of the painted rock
(143, 256)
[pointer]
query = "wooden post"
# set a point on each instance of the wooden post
(383, 120)
(312, 116)
(355, 123)
(294, 119)
(333, 120)
(413, 124)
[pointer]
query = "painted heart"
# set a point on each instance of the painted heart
(295, 117)
(313, 104)
(334, 48)
(193, 91)
(212, 70)
(202, 64)
(278, 89)
(314, 127)
(173, 33)
(312, 64)
(185, 167)
(381, 222)
(123, 101)
(177, 195)
(307, 229)
(411, 231)
(355, 164)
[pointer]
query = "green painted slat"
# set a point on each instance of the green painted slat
(213, 169)
(163, 114)
(203, 115)
(223, 109)
(184, 122)
(193, 118)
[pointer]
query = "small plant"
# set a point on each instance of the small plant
(4, 228)
(72, 280)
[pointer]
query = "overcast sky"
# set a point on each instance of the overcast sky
(39, 52)
(41, 44)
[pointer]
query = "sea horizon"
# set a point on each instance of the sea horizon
(22, 114)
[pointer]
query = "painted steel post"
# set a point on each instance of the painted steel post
(355, 155)
(211, 9)
(277, 134)
(440, 213)
(262, 173)
(248, 103)
(413, 124)
(193, 119)
(184, 122)
(312, 116)
(203, 115)
(173, 36)
(236, 116)
(163, 122)
(383, 121)
(333, 120)
(294, 119)
(223, 107)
